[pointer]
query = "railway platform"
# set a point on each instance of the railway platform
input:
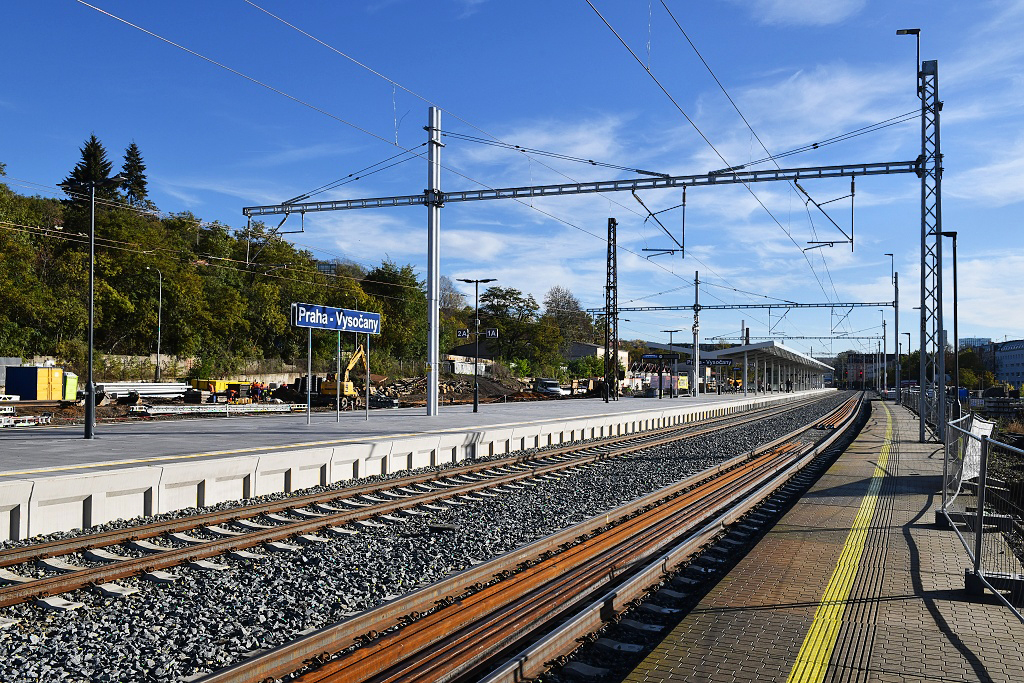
(853, 583)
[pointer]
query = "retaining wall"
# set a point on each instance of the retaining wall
(60, 503)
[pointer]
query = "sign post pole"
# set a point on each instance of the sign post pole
(337, 381)
(309, 375)
(366, 414)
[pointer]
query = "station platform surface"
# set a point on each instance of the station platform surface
(853, 583)
(52, 451)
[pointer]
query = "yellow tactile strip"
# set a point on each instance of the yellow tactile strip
(816, 651)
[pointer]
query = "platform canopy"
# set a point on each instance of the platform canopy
(762, 352)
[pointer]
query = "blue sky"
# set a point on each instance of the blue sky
(553, 76)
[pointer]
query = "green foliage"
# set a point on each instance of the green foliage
(133, 174)
(215, 307)
(226, 293)
(92, 170)
(588, 366)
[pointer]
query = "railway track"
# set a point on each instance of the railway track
(445, 631)
(302, 518)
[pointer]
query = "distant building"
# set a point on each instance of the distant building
(584, 350)
(327, 267)
(974, 342)
(1009, 362)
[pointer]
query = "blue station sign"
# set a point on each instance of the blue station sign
(337, 319)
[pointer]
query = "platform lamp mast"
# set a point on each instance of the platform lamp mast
(675, 369)
(956, 314)
(476, 357)
(90, 385)
(696, 334)
(159, 314)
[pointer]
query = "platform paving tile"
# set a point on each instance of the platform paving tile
(907, 617)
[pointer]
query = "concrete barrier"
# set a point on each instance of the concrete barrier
(79, 501)
(206, 482)
(14, 501)
(293, 470)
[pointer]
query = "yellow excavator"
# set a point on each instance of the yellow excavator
(349, 395)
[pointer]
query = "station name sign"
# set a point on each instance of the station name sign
(337, 319)
(660, 356)
(712, 361)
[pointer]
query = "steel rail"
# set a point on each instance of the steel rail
(172, 557)
(319, 646)
(566, 637)
(38, 551)
(559, 584)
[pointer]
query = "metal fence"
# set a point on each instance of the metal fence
(986, 513)
(950, 409)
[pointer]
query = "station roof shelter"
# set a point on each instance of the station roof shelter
(771, 362)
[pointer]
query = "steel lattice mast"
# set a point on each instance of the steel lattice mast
(933, 351)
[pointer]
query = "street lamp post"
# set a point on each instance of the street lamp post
(956, 331)
(885, 354)
(908, 354)
(90, 385)
(671, 386)
(476, 358)
(159, 314)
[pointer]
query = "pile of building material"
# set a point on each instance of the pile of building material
(9, 418)
(143, 389)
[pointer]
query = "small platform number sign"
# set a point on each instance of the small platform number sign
(492, 332)
(462, 334)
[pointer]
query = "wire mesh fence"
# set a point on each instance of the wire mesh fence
(982, 495)
(985, 510)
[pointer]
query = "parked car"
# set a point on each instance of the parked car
(546, 386)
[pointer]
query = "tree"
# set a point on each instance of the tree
(512, 313)
(93, 168)
(451, 299)
(133, 176)
(565, 309)
(402, 300)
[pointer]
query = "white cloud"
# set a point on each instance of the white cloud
(803, 12)
(997, 183)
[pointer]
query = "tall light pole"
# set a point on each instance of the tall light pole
(159, 314)
(90, 385)
(956, 331)
(885, 355)
(916, 32)
(908, 347)
(672, 387)
(476, 358)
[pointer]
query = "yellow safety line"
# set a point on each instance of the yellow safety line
(812, 660)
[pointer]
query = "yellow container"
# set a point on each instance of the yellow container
(219, 385)
(35, 383)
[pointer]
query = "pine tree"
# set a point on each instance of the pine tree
(93, 168)
(134, 177)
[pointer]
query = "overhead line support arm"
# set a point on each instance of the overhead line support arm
(437, 198)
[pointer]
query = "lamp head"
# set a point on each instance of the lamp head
(908, 32)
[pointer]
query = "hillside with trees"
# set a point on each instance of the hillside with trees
(226, 291)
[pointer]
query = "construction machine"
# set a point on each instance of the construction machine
(349, 395)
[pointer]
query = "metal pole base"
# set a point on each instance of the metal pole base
(476, 398)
